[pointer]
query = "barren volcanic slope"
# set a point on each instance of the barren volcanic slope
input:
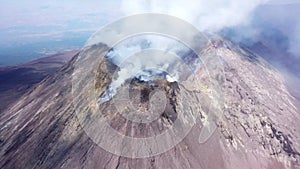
(17, 80)
(258, 128)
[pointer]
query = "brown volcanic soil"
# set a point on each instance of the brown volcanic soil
(260, 128)
(17, 80)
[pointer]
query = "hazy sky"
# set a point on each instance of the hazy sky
(32, 21)
(53, 12)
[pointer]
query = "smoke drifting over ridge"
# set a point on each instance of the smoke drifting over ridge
(271, 23)
(270, 28)
(205, 15)
(165, 58)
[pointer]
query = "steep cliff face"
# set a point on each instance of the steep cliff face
(258, 126)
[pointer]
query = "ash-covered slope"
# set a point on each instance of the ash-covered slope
(258, 127)
(17, 80)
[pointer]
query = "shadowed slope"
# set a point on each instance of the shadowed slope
(17, 80)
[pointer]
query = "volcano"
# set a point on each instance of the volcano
(256, 126)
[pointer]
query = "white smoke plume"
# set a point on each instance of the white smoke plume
(157, 55)
(214, 15)
(211, 15)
